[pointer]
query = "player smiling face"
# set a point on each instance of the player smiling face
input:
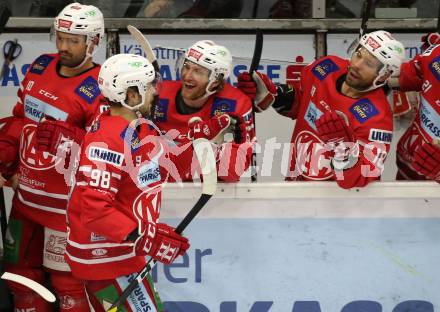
(72, 48)
(195, 79)
(364, 68)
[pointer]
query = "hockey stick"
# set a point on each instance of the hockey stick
(38, 288)
(254, 64)
(143, 42)
(113, 43)
(206, 158)
(365, 15)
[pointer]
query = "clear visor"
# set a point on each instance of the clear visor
(183, 65)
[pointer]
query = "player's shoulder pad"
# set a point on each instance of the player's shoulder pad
(41, 63)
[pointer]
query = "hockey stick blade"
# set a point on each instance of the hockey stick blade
(143, 42)
(206, 158)
(38, 288)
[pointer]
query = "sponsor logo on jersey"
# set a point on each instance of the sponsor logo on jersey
(363, 110)
(430, 119)
(312, 115)
(434, 66)
(324, 68)
(195, 54)
(161, 110)
(100, 252)
(48, 94)
(35, 109)
(373, 43)
(222, 105)
(96, 237)
(134, 142)
(379, 135)
(148, 174)
(88, 89)
(105, 155)
(41, 64)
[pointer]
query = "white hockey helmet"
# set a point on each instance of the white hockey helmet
(122, 71)
(81, 19)
(216, 58)
(389, 51)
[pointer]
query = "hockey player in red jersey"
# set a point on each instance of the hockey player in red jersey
(114, 208)
(59, 86)
(203, 93)
(344, 123)
(418, 150)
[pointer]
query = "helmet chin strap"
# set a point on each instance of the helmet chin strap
(86, 58)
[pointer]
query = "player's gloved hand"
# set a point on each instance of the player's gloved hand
(161, 243)
(259, 88)
(334, 130)
(332, 127)
(54, 134)
(9, 154)
(211, 129)
(427, 161)
(429, 39)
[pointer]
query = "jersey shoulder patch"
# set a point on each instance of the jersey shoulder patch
(161, 110)
(363, 110)
(223, 105)
(434, 66)
(131, 138)
(40, 64)
(88, 89)
(324, 68)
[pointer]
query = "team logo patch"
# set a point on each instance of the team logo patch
(324, 68)
(429, 119)
(131, 138)
(88, 89)
(41, 64)
(148, 174)
(222, 105)
(379, 135)
(363, 110)
(161, 110)
(435, 67)
(312, 115)
(105, 155)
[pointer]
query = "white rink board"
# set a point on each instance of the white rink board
(319, 254)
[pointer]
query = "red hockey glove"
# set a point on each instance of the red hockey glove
(332, 127)
(430, 39)
(259, 88)
(212, 129)
(334, 130)
(9, 147)
(51, 134)
(161, 243)
(427, 161)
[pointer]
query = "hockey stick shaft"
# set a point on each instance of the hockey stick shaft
(206, 158)
(254, 65)
(365, 15)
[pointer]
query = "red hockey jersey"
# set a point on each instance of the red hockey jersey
(118, 183)
(43, 188)
(233, 158)
(370, 117)
(422, 74)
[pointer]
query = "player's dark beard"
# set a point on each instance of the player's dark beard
(360, 85)
(72, 61)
